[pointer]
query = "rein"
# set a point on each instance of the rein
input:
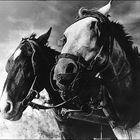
(66, 113)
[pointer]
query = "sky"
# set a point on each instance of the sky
(21, 18)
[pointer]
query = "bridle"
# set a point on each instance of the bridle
(33, 92)
(83, 67)
(81, 63)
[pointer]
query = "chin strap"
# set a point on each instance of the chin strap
(30, 96)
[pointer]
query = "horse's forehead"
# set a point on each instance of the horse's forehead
(78, 35)
(79, 25)
(16, 53)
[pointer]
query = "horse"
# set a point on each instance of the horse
(26, 68)
(29, 69)
(98, 50)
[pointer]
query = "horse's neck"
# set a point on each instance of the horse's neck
(119, 70)
(119, 62)
(121, 88)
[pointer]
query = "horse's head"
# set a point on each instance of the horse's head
(82, 45)
(26, 70)
(98, 55)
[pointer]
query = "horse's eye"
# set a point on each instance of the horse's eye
(62, 41)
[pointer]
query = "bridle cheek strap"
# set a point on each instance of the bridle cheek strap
(32, 92)
(30, 96)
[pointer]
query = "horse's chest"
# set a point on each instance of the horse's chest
(132, 133)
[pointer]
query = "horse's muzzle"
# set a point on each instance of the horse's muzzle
(63, 81)
(66, 84)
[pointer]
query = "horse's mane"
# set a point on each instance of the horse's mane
(83, 12)
(123, 38)
(52, 52)
(125, 41)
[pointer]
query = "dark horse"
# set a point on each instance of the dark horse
(28, 71)
(97, 50)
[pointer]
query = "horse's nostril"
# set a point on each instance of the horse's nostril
(71, 68)
(63, 82)
(8, 107)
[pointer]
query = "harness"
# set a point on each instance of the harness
(93, 70)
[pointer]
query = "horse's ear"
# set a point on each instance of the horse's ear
(105, 9)
(43, 39)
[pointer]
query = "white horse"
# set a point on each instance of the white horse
(100, 48)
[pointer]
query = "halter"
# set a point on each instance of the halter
(83, 67)
(81, 63)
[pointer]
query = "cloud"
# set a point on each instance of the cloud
(127, 13)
